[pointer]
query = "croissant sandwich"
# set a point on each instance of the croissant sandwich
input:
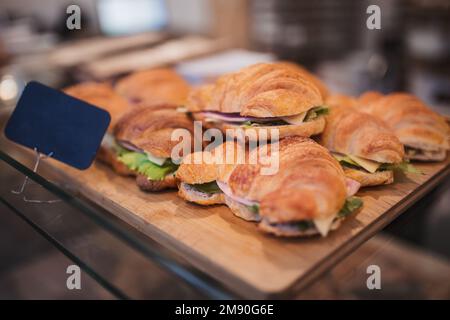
(102, 95)
(154, 88)
(424, 133)
(307, 196)
(201, 173)
(143, 143)
(366, 148)
(262, 96)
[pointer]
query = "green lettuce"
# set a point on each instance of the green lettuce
(209, 188)
(254, 208)
(316, 112)
(404, 166)
(118, 149)
(139, 162)
(351, 205)
(304, 225)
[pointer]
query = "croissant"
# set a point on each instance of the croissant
(261, 96)
(363, 144)
(368, 97)
(424, 133)
(157, 88)
(306, 171)
(341, 100)
(303, 198)
(143, 140)
(197, 181)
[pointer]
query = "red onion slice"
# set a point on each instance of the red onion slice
(129, 146)
(234, 117)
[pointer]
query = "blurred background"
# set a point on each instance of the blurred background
(202, 39)
(410, 52)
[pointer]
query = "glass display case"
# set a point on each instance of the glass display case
(48, 227)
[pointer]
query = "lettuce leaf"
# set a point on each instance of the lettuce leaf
(351, 205)
(404, 166)
(254, 208)
(118, 149)
(304, 225)
(209, 188)
(139, 162)
(316, 112)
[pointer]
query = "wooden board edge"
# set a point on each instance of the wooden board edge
(356, 241)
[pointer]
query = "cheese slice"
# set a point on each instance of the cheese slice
(324, 225)
(369, 165)
(210, 120)
(182, 110)
(159, 161)
(297, 119)
(108, 141)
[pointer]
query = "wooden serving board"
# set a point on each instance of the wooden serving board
(235, 252)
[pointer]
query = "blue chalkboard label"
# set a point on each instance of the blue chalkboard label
(51, 121)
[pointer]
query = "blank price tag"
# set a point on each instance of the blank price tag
(53, 122)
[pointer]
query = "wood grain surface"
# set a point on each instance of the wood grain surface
(252, 264)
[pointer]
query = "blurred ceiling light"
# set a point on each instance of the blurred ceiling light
(118, 17)
(377, 66)
(8, 88)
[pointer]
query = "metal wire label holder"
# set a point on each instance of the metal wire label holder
(26, 181)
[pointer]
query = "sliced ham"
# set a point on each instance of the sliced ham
(352, 186)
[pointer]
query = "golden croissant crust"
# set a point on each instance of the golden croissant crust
(154, 88)
(261, 90)
(349, 131)
(414, 123)
(341, 100)
(213, 165)
(309, 184)
(151, 130)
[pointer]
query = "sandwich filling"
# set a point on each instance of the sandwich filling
(311, 227)
(207, 189)
(154, 168)
(421, 154)
(241, 207)
(249, 122)
(370, 166)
